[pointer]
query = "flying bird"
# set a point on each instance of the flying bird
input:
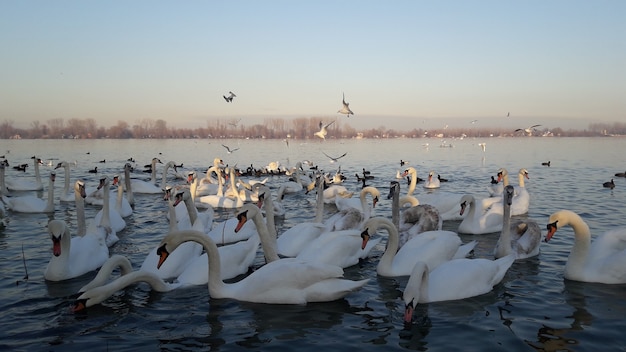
(228, 149)
(323, 130)
(346, 107)
(508, 114)
(234, 124)
(529, 131)
(473, 121)
(335, 159)
(229, 98)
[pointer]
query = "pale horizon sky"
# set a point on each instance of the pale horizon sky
(401, 64)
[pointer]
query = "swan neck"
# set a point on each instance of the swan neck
(504, 243)
(268, 243)
(319, 203)
(50, 204)
(127, 183)
(80, 214)
(413, 182)
(393, 241)
(191, 209)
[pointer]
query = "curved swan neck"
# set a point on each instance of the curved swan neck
(413, 184)
(216, 285)
(417, 287)
(582, 241)
(393, 241)
(191, 207)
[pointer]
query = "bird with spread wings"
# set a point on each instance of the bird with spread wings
(335, 159)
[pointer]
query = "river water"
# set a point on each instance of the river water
(534, 308)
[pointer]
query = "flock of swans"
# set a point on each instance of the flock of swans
(304, 263)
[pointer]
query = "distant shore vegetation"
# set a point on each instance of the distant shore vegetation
(274, 128)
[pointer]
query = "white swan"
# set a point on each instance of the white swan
(116, 221)
(184, 255)
(285, 281)
(73, 256)
(32, 203)
(24, 183)
(67, 195)
(221, 201)
(603, 260)
(432, 181)
(149, 187)
(478, 221)
(188, 215)
(99, 294)
(431, 247)
(452, 280)
(353, 213)
(521, 238)
(296, 238)
(268, 238)
(521, 198)
(122, 205)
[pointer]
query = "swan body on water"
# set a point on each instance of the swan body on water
(284, 281)
(453, 280)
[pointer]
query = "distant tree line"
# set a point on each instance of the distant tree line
(272, 128)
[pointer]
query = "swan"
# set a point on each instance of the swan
(184, 255)
(452, 280)
(67, 195)
(431, 181)
(296, 238)
(268, 237)
(149, 187)
(352, 213)
(284, 281)
(414, 220)
(521, 197)
(115, 261)
(602, 261)
(526, 237)
(32, 203)
(431, 247)
(221, 201)
(496, 189)
(3, 188)
(333, 191)
(116, 221)
(73, 256)
(25, 184)
(99, 294)
(188, 216)
(122, 205)
(479, 222)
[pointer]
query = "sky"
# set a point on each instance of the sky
(401, 64)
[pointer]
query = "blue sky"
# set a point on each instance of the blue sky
(402, 64)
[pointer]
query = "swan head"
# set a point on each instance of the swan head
(501, 174)
(191, 176)
(61, 164)
(53, 176)
(79, 187)
(559, 219)
(409, 171)
(57, 229)
(508, 194)
(174, 239)
(365, 236)
(466, 200)
(394, 187)
(90, 298)
(116, 179)
(411, 294)
(181, 196)
(247, 211)
(524, 173)
(103, 182)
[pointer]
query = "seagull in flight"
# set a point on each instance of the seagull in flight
(473, 121)
(228, 149)
(346, 107)
(508, 114)
(229, 98)
(234, 124)
(529, 131)
(335, 159)
(323, 130)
